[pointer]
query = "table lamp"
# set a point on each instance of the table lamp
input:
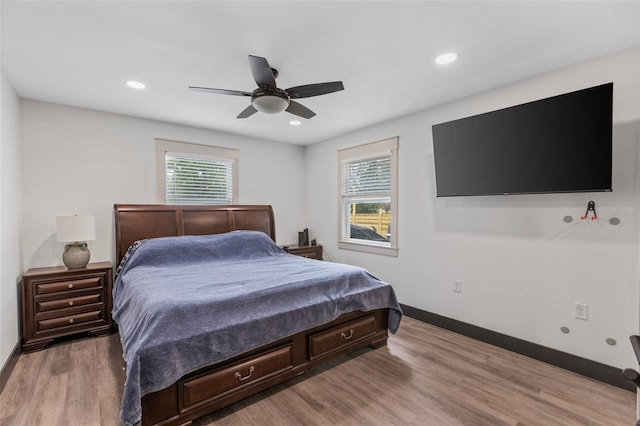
(76, 230)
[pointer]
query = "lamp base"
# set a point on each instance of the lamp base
(76, 255)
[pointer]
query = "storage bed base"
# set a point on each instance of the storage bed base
(222, 384)
(219, 385)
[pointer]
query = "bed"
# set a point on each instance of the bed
(210, 310)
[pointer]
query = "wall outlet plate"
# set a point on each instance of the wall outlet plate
(582, 311)
(457, 286)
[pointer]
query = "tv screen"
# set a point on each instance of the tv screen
(558, 144)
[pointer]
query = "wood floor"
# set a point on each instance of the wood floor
(426, 376)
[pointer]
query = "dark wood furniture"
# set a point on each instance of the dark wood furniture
(312, 252)
(221, 384)
(139, 221)
(58, 302)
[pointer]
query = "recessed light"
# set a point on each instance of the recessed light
(136, 84)
(446, 58)
(295, 123)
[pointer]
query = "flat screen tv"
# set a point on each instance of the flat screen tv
(558, 144)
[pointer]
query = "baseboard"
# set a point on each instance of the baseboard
(586, 367)
(9, 365)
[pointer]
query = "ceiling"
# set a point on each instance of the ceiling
(80, 53)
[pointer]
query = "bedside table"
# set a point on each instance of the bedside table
(58, 302)
(312, 252)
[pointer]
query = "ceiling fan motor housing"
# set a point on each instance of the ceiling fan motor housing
(270, 101)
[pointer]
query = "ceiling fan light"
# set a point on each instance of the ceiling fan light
(270, 104)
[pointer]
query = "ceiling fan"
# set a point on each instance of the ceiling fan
(268, 98)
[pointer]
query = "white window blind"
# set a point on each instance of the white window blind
(197, 180)
(369, 178)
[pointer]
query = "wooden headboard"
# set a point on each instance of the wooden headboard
(139, 221)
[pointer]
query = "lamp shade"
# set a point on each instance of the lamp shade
(76, 228)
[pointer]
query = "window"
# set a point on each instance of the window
(368, 201)
(194, 180)
(196, 174)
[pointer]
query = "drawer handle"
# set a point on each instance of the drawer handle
(242, 378)
(347, 336)
(70, 320)
(71, 303)
(70, 286)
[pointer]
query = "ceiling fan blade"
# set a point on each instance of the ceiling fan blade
(247, 112)
(308, 90)
(220, 91)
(299, 110)
(262, 73)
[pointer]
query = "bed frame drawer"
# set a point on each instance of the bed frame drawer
(342, 335)
(236, 376)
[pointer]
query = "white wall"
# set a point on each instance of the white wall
(522, 267)
(10, 214)
(78, 161)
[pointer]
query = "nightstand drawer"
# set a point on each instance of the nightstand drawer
(69, 320)
(47, 287)
(68, 302)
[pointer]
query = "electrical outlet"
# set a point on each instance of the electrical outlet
(457, 286)
(582, 311)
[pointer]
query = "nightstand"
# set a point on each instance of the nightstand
(312, 252)
(58, 302)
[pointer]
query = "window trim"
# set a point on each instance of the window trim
(370, 150)
(197, 150)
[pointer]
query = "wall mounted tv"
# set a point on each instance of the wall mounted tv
(558, 144)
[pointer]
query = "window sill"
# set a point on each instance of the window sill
(368, 248)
